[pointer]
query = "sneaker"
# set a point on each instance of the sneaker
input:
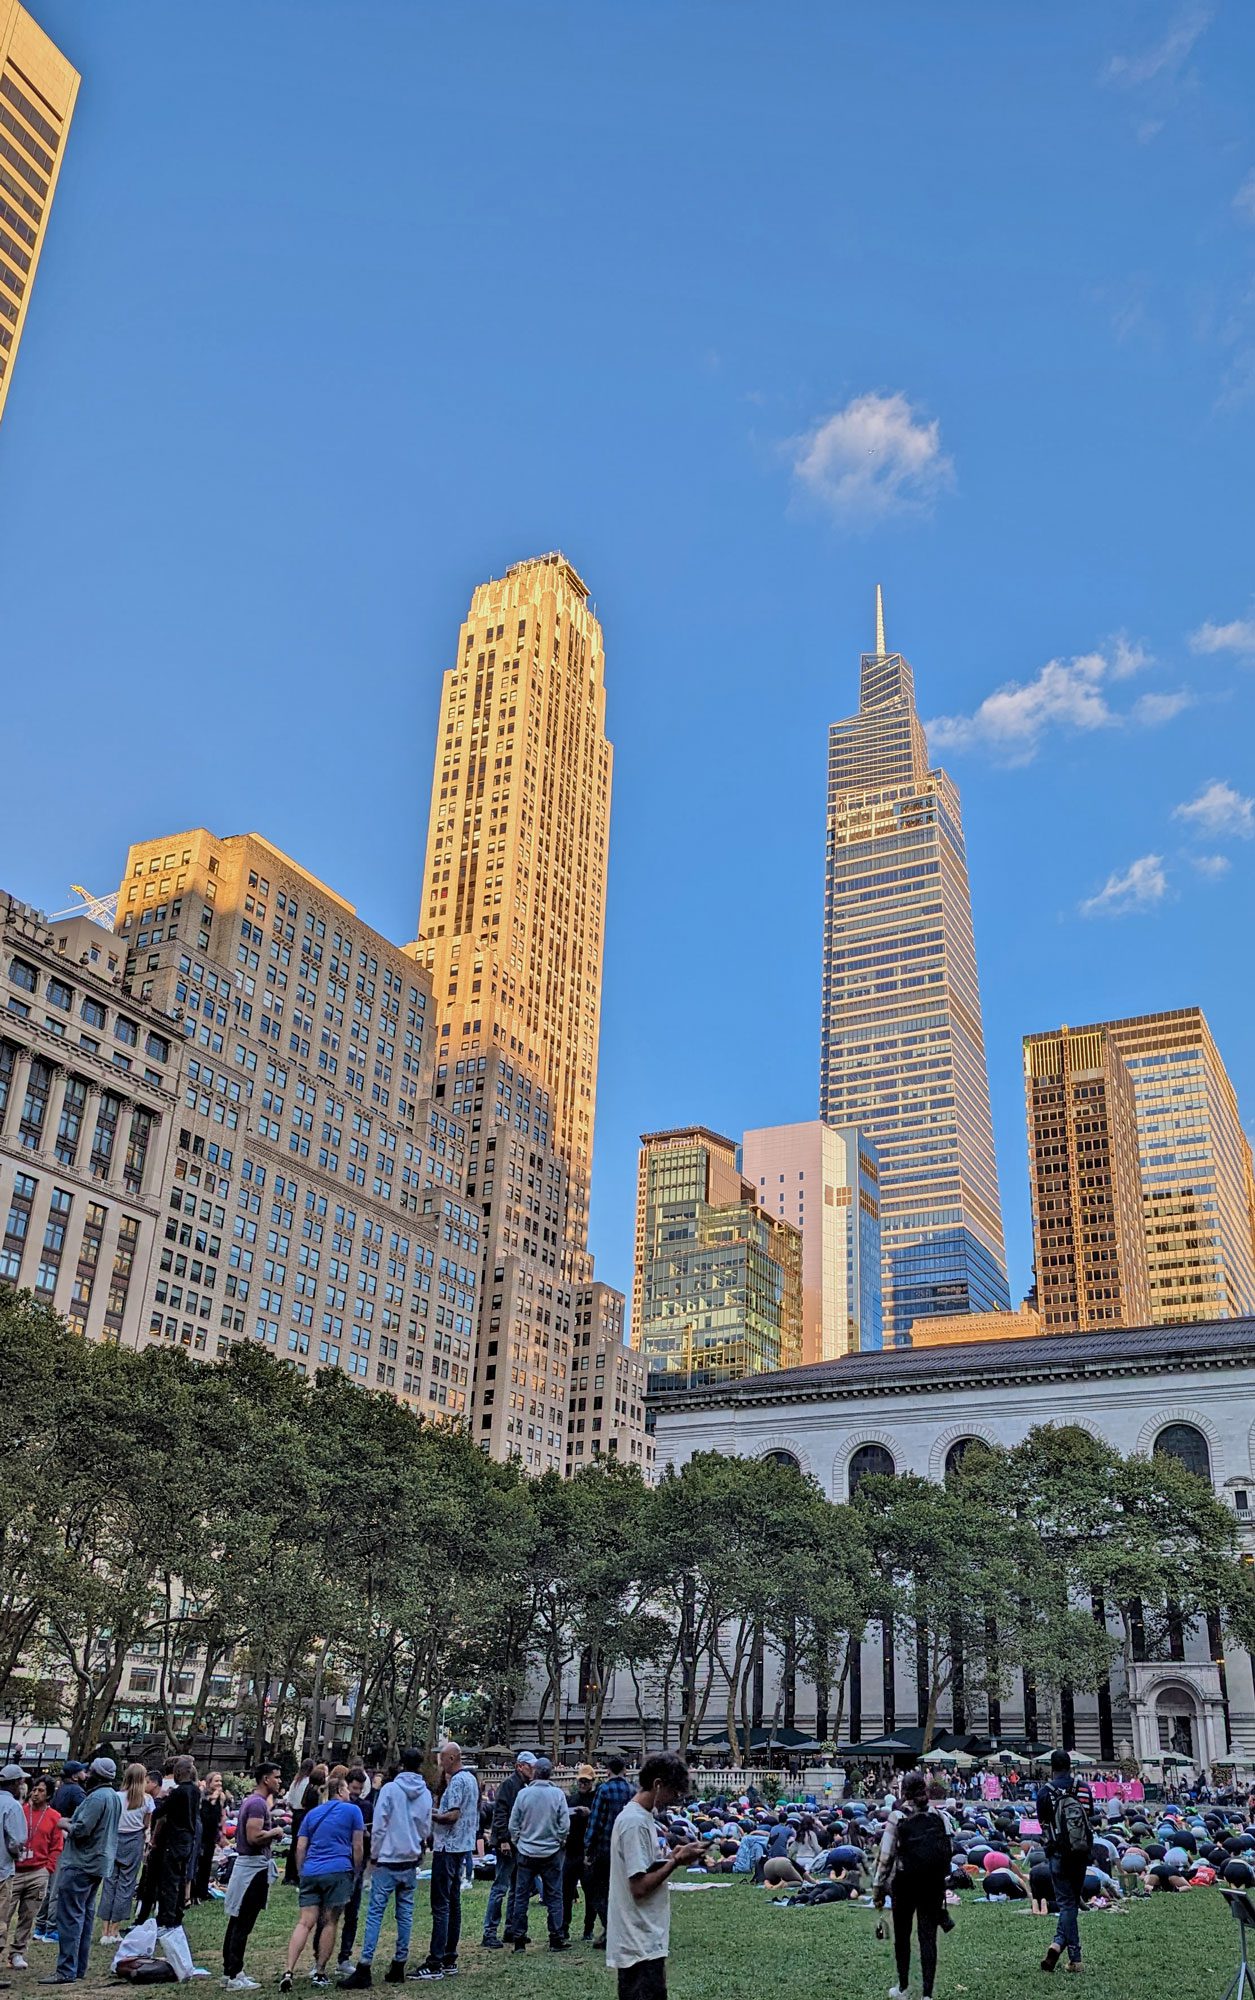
(429, 1972)
(17, 1961)
(344, 1968)
(491, 1944)
(241, 1984)
(559, 1944)
(450, 1971)
(319, 1979)
(285, 1982)
(356, 1975)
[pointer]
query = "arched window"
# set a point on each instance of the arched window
(956, 1455)
(788, 1458)
(870, 1461)
(1186, 1443)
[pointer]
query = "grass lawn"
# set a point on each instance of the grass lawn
(734, 1944)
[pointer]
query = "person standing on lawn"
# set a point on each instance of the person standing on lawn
(638, 1916)
(180, 1820)
(91, 1838)
(21, 1898)
(503, 1880)
(1064, 1811)
(329, 1855)
(540, 1820)
(609, 1799)
(400, 1829)
(912, 1868)
(252, 1872)
(118, 1892)
(67, 1796)
(455, 1828)
(574, 1879)
(12, 1836)
(363, 1795)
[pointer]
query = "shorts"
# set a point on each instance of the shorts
(646, 1980)
(325, 1892)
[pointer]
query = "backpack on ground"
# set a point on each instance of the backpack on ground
(147, 1971)
(923, 1845)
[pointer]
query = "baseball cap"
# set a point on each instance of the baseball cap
(525, 1757)
(11, 1774)
(72, 1768)
(543, 1767)
(585, 1771)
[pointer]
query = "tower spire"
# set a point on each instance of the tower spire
(880, 622)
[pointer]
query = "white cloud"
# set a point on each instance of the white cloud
(1219, 810)
(877, 456)
(1066, 694)
(1163, 62)
(1212, 864)
(1152, 709)
(1244, 199)
(1238, 636)
(1142, 885)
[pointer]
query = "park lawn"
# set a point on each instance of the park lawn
(733, 1943)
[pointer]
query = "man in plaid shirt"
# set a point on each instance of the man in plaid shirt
(609, 1799)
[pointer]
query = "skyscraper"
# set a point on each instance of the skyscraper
(1197, 1187)
(902, 1046)
(827, 1184)
(1089, 1246)
(37, 92)
(511, 931)
(513, 911)
(718, 1278)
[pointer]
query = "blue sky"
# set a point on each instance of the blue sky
(346, 306)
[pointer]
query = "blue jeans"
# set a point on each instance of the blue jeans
(499, 1894)
(1067, 1895)
(526, 1868)
(446, 1907)
(384, 1881)
(76, 1917)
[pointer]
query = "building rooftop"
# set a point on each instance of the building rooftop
(698, 1132)
(1222, 1343)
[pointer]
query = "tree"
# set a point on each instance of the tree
(949, 1565)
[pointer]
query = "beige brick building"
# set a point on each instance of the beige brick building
(306, 1141)
(607, 1402)
(89, 1088)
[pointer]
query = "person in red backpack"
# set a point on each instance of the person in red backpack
(28, 1885)
(913, 1864)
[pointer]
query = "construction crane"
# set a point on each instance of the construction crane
(101, 909)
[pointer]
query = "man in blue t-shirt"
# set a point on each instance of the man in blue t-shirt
(329, 1851)
(455, 1828)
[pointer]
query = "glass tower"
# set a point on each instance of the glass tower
(718, 1280)
(902, 1048)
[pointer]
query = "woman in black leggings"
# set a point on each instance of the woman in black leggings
(912, 1867)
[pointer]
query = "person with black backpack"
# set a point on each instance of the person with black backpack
(912, 1868)
(1063, 1811)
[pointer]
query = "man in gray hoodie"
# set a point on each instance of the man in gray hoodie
(399, 1831)
(540, 1820)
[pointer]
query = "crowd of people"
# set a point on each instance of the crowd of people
(89, 1843)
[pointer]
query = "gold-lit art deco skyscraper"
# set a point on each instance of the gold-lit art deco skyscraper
(37, 92)
(511, 929)
(902, 1046)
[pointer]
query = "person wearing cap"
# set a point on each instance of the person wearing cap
(22, 1896)
(12, 1836)
(540, 1820)
(503, 1881)
(91, 1839)
(579, 1802)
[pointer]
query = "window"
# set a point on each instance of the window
(1186, 1443)
(870, 1461)
(956, 1455)
(126, 1031)
(93, 1013)
(59, 994)
(788, 1458)
(23, 975)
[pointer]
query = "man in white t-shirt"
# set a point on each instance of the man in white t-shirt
(638, 1914)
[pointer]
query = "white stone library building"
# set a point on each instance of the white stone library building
(1188, 1390)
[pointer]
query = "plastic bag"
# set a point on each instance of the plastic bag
(138, 1943)
(173, 1945)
